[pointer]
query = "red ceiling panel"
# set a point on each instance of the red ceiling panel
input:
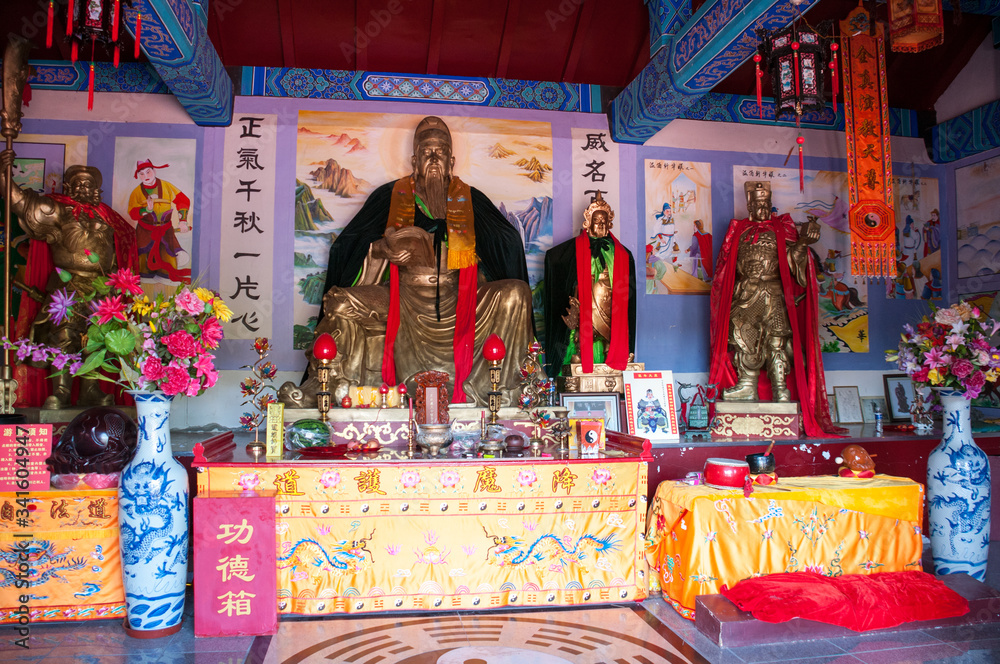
(541, 40)
(470, 43)
(324, 34)
(246, 34)
(400, 42)
(616, 37)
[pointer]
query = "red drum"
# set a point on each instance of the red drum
(726, 472)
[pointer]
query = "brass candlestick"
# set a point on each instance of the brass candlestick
(493, 352)
(323, 395)
(494, 393)
(324, 350)
(411, 437)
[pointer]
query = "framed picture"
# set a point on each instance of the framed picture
(868, 405)
(848, 405)
(650, 405)
(898, 396)
(593, 405)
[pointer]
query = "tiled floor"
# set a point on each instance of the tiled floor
(647, 634)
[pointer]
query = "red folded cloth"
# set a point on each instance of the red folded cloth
(858, 602)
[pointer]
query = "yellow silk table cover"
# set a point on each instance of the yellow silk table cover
(701, 538)
(358, 538)
(72, 541)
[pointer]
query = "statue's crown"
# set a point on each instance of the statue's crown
(758, 189)
(598, 203)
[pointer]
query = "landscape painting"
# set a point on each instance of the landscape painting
(977, 190)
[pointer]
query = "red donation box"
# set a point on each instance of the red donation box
(235, 566)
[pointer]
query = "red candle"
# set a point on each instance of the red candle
(411, 408)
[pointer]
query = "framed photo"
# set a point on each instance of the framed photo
(650, 405)
(593, 405)
(848, 405)
(868, 407)
(898, 396)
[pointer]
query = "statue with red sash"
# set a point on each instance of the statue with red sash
(395, 311)
(65, 231)
(765, 314)
(590, 297)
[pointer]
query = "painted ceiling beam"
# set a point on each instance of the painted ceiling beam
(968, 134)
(984, 7)
(175, 40)
(709, 46)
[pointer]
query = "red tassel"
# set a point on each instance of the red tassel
(796, 47)
(74, 52)
(117, 55)
(802, 168)
(90, 89)
(114, 22)
(69, 19)
(138, 31)
(834, 76)
(760, 105)
(802, 173)
(48, 26)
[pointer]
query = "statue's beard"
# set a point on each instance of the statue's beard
(434, 193)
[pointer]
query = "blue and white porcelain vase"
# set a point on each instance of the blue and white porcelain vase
(958, 494)
(153, 524)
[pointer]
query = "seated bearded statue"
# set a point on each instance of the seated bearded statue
(428, 293)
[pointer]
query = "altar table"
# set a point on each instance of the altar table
(701, 538)
(391, 533)
(71, 542)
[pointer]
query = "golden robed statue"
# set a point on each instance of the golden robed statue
(418, 279)
(74, 227)
(765, 313)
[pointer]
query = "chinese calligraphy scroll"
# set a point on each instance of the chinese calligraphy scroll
(595, 168)
(248, 221)
(869, 156)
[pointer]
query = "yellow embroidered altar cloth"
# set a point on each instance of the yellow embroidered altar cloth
(701, 538)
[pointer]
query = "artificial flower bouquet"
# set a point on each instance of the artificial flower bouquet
(950, 349)
(161, 343)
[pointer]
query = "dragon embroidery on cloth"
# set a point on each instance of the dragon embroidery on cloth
(343, 556)
(510, 550)
(44, 562)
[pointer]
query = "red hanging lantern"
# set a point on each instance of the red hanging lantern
(760, 102)
(796, 60)
(96, 21)
(915, 25)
